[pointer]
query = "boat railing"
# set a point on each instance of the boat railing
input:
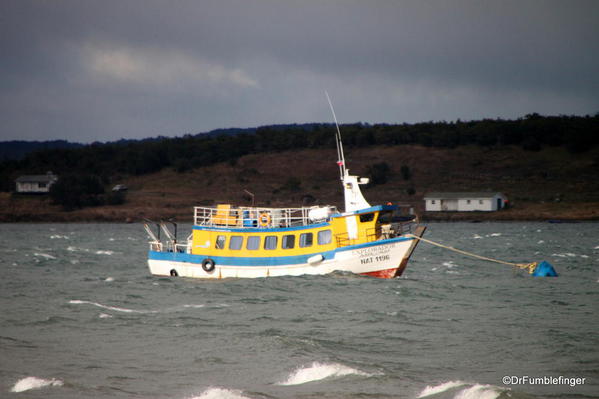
(156, 246)
(168, 246)
(405, 227)
(256, 217)
(372, 234)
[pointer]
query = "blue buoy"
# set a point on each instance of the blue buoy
(544, 269)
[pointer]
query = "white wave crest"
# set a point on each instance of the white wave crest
(104, 252)
(565, 255)
(193, 306)
(220, 393)
(476, 391)
(58, 236)
(115, 308)
(28, 383)
(433, 390)
(45, 256)
(479, 391)
(319, 371)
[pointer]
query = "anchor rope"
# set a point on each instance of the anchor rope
(529, 266)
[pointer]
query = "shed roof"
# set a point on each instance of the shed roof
(48, 177)
(460, 195)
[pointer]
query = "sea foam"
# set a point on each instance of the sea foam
(220, 393)
(464, 390)
(479, 391)
(58, 236)
(115, 308)
(319, 371)
(433, 390)
(28, 383)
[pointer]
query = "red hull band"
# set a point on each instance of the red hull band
(388, 273)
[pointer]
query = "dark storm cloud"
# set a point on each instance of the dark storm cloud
(98, 70)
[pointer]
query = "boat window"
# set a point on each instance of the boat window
(236, 242)
(253, 243)
(366, 217)
(270, 242)
(306, 240)
(288, 242)
(324, 237)
(220, 242)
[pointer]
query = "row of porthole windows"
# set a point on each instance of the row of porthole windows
(323, 237)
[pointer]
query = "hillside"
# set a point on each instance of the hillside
(551, 183)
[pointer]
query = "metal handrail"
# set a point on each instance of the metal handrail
(254, 216)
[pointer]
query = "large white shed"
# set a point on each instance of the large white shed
(464, 201)
(35, 184)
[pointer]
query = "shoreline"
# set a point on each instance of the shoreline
(101, 216)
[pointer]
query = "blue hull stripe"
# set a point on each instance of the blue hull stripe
(261, 261)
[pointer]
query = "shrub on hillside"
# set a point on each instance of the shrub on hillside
(77, 191)
(378, 173)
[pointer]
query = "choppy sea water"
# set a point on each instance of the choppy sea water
(80, 317)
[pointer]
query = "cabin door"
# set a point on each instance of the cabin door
(352, 227)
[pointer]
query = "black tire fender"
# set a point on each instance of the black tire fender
(174, 273)
(208, 265)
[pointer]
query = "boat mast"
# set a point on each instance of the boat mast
(354, 200)
(340, 156)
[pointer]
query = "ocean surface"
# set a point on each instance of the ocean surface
(81, 317)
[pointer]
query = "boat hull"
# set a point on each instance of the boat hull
(382, 258)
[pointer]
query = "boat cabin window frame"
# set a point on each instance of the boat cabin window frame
(288, 241)
(221, 242)
(252, 243)
(306, 240)
(236, 243)
(325, 237)
(366, 217)
(270, 243)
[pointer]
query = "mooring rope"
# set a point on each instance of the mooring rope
(529, 266)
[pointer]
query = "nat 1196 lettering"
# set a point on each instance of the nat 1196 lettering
(371, 259)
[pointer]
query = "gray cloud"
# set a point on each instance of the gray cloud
(100, 70)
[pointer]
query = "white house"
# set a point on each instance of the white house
(464, 202)
(35, 184)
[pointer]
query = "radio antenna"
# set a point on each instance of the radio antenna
(340, 156)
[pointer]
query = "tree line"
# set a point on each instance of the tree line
(107, 160)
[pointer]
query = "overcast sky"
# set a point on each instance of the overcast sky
(104, 70)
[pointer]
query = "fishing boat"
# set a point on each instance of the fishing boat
(230, 241)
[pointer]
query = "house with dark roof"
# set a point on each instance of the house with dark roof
(35, 184)
(464, 201)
